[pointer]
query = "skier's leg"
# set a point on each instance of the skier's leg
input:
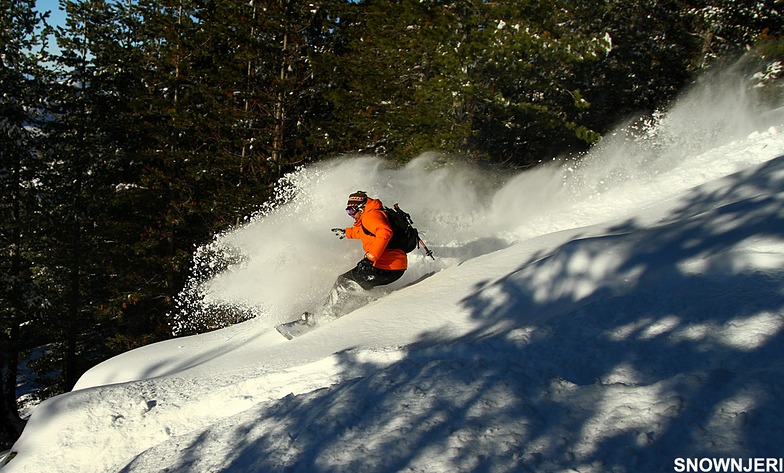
(350, 291)
(345, 296)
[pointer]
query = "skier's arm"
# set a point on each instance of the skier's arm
(353, 232)
(377, 224)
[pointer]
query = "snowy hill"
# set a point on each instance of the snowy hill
(622, 313)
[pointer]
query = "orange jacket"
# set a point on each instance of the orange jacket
(374, 220)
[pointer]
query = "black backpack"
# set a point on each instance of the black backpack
(404, 236)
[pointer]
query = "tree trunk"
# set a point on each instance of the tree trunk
(12, 424)
(280, 112)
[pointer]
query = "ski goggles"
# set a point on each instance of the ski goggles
(352, 210)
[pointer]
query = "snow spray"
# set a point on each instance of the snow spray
(283, 260)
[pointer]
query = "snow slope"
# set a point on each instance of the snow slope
(614, 314)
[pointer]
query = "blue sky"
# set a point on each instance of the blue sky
(57, 16)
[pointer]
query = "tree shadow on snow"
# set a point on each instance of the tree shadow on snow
(615, 353)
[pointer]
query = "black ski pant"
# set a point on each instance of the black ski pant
(368, 276)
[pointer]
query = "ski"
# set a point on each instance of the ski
(298, 327)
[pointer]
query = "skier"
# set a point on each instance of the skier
(386, 235)
(380, 265)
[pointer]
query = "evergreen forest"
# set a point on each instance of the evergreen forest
(137, 130)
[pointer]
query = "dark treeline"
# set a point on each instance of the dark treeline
(142, 127)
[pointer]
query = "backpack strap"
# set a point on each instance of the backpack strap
(368, 232)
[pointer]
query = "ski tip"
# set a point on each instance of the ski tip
(295, 328)
(283, 332)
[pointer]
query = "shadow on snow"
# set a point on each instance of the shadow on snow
(612, 354)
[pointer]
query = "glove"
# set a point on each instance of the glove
(339, 232)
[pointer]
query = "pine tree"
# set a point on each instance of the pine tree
(728, 28)
(163, 145)
(228, 107)
(650, 59)
(21, 80)
(485, 78)
(659, 47)
(281, 93)
(84, 137)
(526, 60)
(391, 77)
